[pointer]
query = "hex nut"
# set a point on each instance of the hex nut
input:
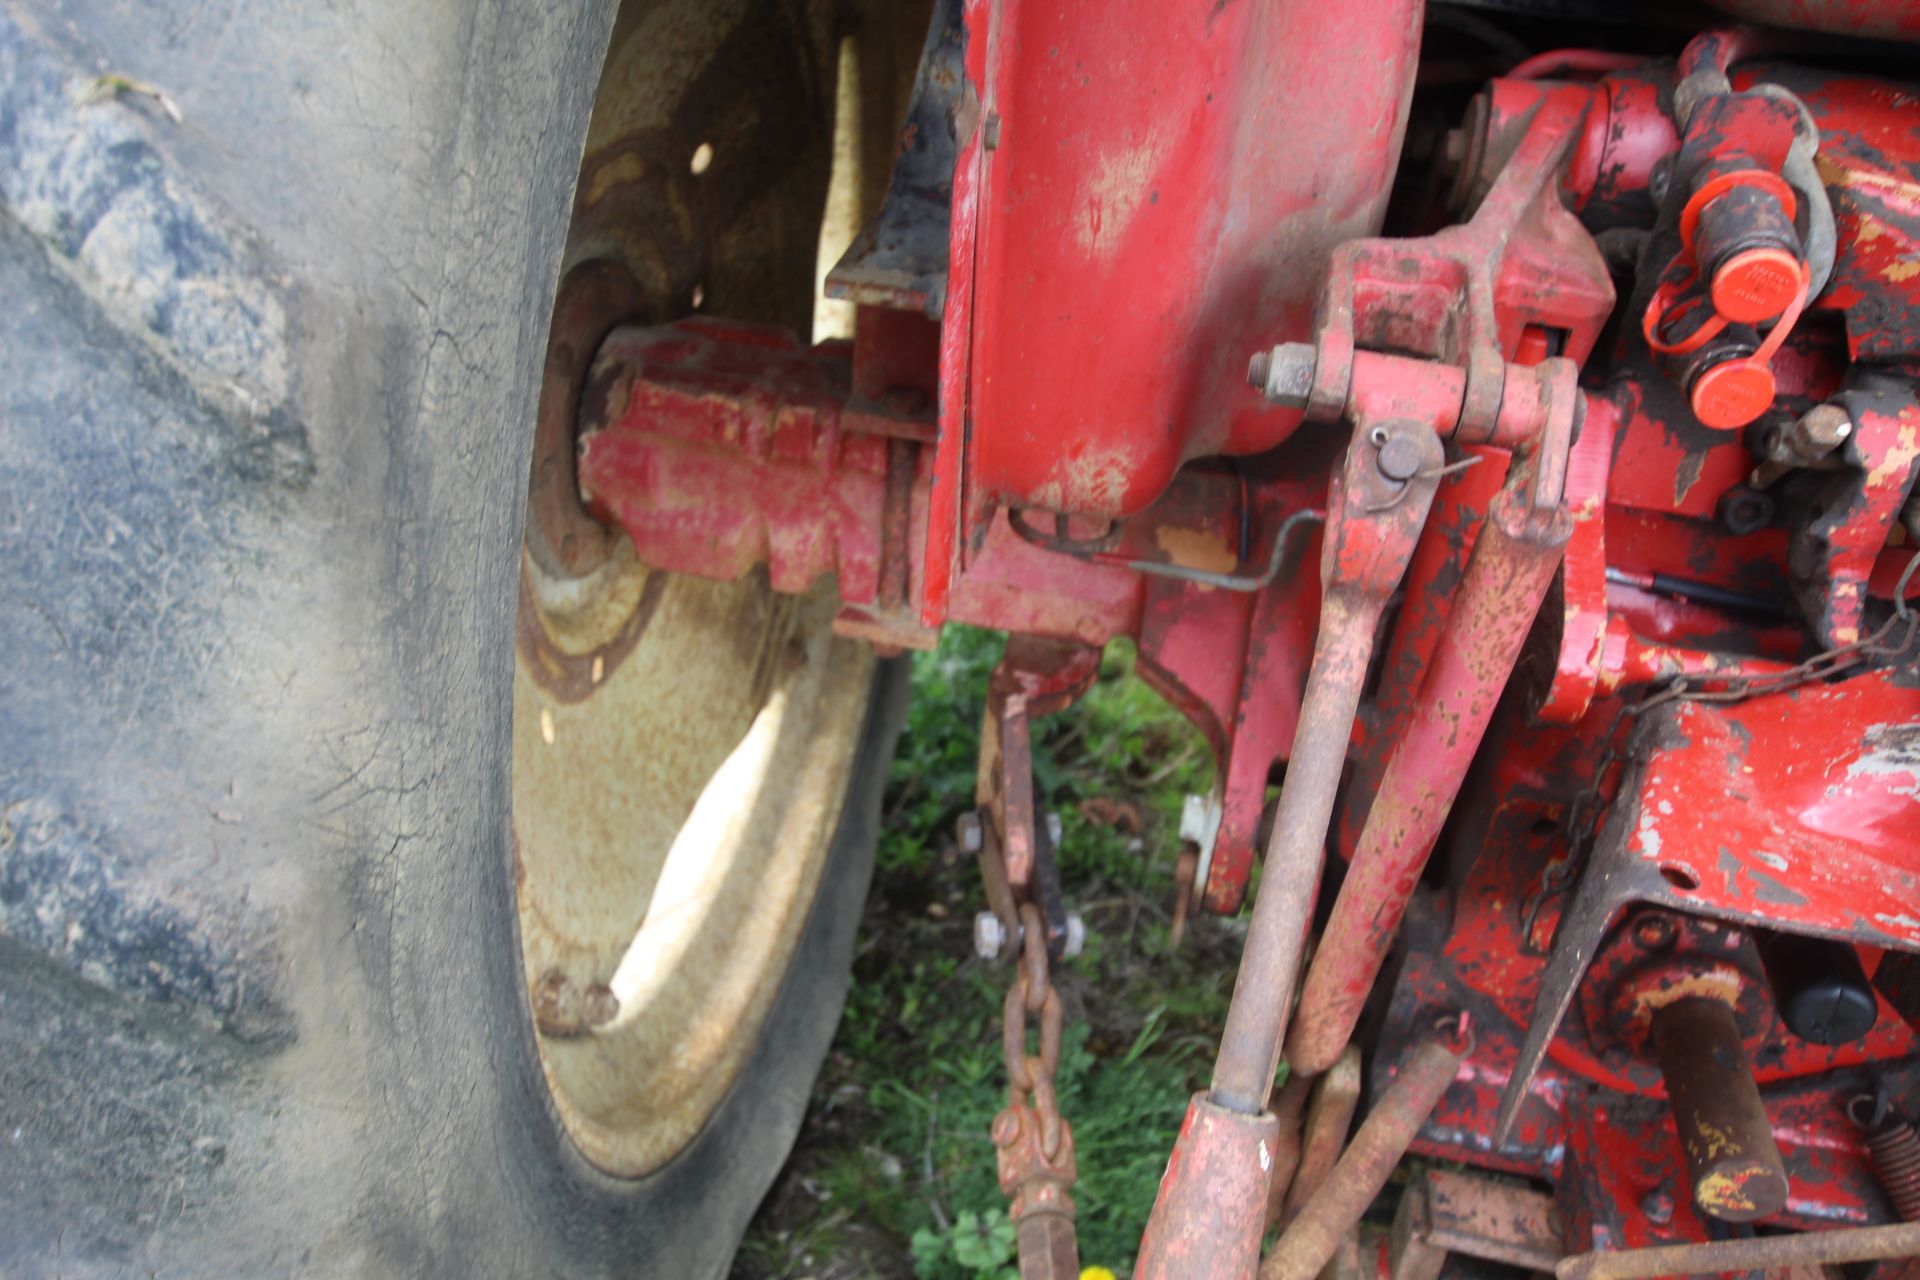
(1284, 375)
(1193, 818)
(1743, 510)
(989, 935)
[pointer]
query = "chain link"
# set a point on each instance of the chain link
(1825, 663)
(1036, 1159)
(1030, 1078)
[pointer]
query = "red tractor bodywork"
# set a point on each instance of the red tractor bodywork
(1559, 541)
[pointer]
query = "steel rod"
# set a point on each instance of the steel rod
(1263, 991)
(1384, 1137)
(1812, 1248)
(1512, 563)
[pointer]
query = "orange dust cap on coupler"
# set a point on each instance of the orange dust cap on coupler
(1756, 285)
(1732, 394)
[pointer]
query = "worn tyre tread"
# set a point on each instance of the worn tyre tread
(265, 375)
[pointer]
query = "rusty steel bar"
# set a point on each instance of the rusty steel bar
(1375, 513)
(1388, 1130)
(1289, 1112)
(1263, 991)
(1763, 1253)
(1213, 1197)
(1336, 1096)
(1512, 563)
(1377, 506)
(1732, 1161)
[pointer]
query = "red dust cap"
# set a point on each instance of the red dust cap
(1756, 285)
(1732, 394)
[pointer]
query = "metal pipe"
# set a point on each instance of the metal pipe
(1512, 564)
(1763, 1253)
(1732, 1160)
(1376, 508)
(1384, 1137)
(1336, 1096)
(1289, 1112)
(1375, 512)
(1212, 1207)
(1263, 991)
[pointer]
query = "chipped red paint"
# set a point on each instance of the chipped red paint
(1513, 559)
(1167, 185)
(1213, 1196)
(1116, 256)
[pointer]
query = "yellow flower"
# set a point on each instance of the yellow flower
(1096, 1273)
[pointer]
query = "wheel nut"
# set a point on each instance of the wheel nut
(989, 935)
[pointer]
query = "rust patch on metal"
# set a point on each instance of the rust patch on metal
(1195, 549)
(572, 677)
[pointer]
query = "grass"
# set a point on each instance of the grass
(894, 1173)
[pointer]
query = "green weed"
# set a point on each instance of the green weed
(895, 1171)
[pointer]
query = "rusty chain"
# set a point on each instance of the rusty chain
(1033, 1141)
(1826, 663)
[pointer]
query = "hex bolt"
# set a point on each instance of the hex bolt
(1400, 457)
(967, 830)
(1284, 375)
(1806, 441)
(601, 1005)
(1076, 940)
(989, 935)
(1822, 429)
(562, 1006)
(1744, 510)
(1653, 932)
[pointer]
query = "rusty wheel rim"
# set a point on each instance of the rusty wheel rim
(681, 749)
